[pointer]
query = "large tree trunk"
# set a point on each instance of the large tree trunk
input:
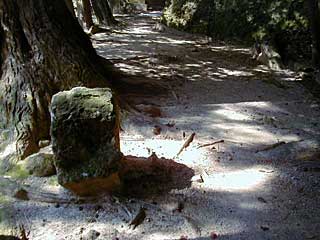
(103, 12)
(315, 30)
(70, 7)
(43, 50)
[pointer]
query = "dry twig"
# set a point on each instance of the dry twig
(210, 144)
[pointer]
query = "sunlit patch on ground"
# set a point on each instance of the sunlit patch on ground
(242, 180)
(167, 148)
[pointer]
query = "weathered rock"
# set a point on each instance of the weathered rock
(40, 164)
(85, 140)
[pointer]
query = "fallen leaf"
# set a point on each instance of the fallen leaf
(213, 235)
(261, 199)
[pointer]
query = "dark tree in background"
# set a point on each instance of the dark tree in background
(43, 50)
(103, 12)
(314, 12)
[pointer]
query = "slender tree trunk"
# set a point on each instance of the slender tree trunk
(211, 18)
(103, 12)
(87, 13)
(43, 50)
(314, 12)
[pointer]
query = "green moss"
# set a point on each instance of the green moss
(18, 172)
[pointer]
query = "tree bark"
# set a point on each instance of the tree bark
(43, 50)
(70, 7)
(314, 12)
(103, 12)
(87, 13)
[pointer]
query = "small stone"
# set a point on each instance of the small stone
(40, 164)
(80, 208)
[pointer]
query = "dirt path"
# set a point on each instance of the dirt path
(244, 187)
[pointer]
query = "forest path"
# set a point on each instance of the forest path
(218, 92)
(244, 187)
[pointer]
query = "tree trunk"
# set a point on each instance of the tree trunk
(87, 13)
(43, 50)
(314, 12)
(70, 7)
(103, 12)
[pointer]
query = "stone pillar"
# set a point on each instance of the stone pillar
(85, 140)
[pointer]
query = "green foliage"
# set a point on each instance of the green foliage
(257, 19)
(282, 22)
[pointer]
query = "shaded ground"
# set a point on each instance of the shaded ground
(214, 89)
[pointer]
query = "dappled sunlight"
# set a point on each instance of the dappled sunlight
(235, 72)
(243, 122)
(232, 115)
(139, 30)
(241, 180)
(167, 148)
(129, 68)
